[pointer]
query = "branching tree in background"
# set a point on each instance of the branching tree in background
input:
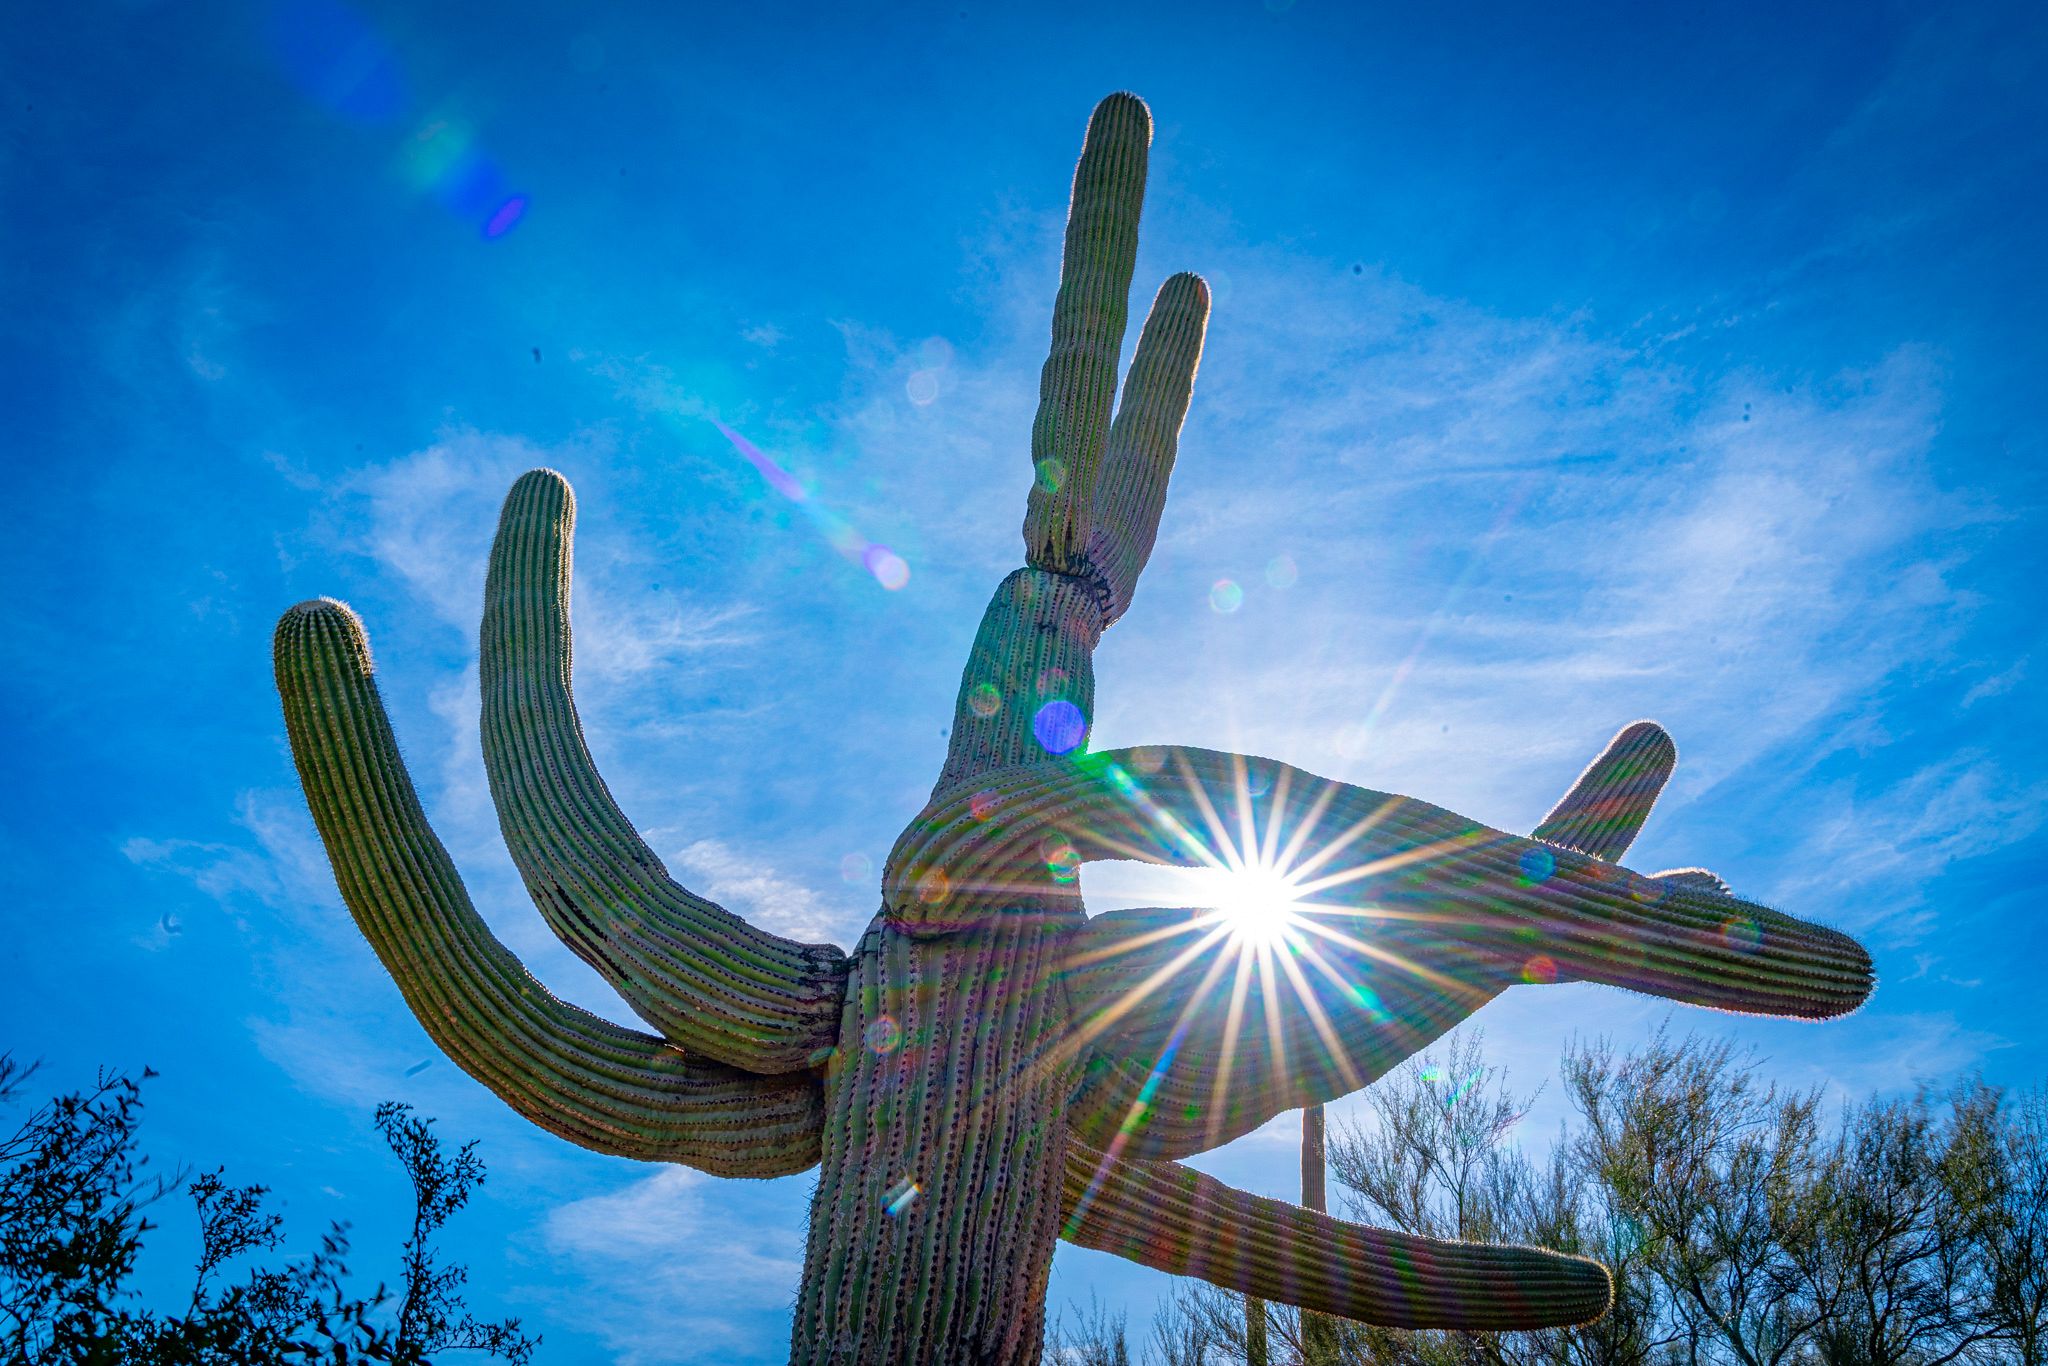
(1889, 1236)
(431, 1316)
(73, 1191)
(1744, 1224)
(1435, 1157)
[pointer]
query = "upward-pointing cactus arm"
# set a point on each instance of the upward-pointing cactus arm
(704, 977)
(1130, 491)
(1097, 487)
(610, 1089)
(1077, 387)
(1175, 1219)
(1605, 809)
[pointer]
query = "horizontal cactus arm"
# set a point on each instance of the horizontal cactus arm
(706, 979)
(1078, 384)
(1191, 1036)
(1365, 862)
(1195, 1038)
(1175, 1219)
(610, 1089)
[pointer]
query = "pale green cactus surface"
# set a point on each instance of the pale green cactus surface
(991, 1069)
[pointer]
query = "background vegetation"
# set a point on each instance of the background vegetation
(75, 1189)
(1744, 1224)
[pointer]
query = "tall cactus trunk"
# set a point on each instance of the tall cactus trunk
(1257, 1348)
(939, 1198)
(938, 1203)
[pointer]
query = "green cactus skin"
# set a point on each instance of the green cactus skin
(1606, 808)
(1175, 1219)
(586, 1079)
(710, 982)
(991, 1069)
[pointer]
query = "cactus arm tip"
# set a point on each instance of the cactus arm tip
(1605, 809)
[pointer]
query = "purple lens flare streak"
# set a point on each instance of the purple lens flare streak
(886, 567)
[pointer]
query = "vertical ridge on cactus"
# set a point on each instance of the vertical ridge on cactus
(705, 978)
(570, 1072)
(1078, 384)
(990, 1069)
(1606, 808)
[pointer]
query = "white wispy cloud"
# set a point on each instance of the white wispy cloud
(1905, 835)
(748, 886)
(687, 1276)
(1745, 557)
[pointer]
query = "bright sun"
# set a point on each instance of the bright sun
(1258, 904)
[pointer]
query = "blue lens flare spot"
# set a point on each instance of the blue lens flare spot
(883, 1035)
(1059, 726)
(506, 216)
(897, 1200)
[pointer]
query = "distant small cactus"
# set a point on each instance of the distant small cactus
(992, 1069)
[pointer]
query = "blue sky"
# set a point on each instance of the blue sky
(1568, 365)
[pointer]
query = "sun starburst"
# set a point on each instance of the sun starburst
(1258, 903)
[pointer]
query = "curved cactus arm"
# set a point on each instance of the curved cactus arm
(1078, 384)
(1175, 1219)
(1606, 807)
(1369, 864)
(610, 1089)
(705, 978)
(1274, 1031)
(1193, 1036)
(1130, 492)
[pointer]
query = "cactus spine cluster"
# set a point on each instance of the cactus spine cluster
(991, 1069)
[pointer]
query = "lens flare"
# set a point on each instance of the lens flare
(1059, 726)
(898, 1199)
(1259, 905)
(888, 568)
(506, 217)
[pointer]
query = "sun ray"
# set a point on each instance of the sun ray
(1276, 1026)
(1134, 1116)
(1421, 853)
(1339, 1056)
(1357, 991)
(1121, 947)
(1278, 819)
(1306, 829)
(1233, 1026)
(1430, 975)
(1193, 782)
(1358, 829)
(1136, 996)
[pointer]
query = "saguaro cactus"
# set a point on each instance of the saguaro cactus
(991, 1069)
